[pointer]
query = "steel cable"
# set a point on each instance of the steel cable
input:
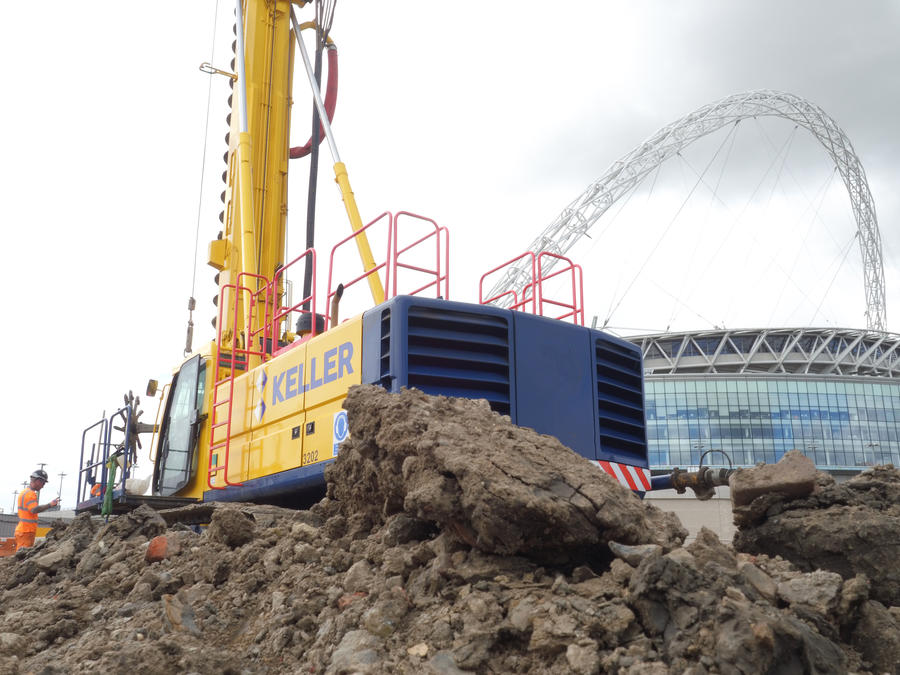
(191, 301)
(666, 231)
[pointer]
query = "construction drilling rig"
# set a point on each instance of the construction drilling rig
(256, 415)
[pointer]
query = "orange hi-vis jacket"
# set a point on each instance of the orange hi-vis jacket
(28, 519)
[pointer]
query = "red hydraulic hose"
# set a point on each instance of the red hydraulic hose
(331, 88)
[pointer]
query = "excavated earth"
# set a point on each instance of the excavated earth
(451, 541)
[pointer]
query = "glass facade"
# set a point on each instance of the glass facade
(839, 422)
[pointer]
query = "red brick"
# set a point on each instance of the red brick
(158, 549)
(346, 600)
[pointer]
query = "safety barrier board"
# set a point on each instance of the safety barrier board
(633, 477)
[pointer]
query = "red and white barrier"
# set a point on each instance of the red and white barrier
(633, 477)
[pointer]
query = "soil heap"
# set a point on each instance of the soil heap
(451, 541)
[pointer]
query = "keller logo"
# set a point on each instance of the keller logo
(322, 369)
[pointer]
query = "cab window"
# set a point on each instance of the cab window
(178, 439)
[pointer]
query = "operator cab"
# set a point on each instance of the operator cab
(180, 429)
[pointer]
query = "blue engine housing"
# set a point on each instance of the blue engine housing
(580, 385)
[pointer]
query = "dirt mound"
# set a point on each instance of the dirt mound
(849, 528)
(499, 488)
(406, 568)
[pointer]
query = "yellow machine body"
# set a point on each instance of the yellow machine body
(285, 409)
(284, 412)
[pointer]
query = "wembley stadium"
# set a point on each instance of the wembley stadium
(748, 396)
(755, 394)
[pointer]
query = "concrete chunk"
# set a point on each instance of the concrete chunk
(633, 555)
(794, 476)
(52, 562)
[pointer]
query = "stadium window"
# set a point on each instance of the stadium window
(776, 342)
(707, 345)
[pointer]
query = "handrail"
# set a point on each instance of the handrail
(577, 287)
(263, 287)
(306, 305)
(366, 274)
(517, 303)
(247, 351)
(446, 233)
(436, 232)
(105, 442)
(539, 303)
(82, 467)
(270, 295)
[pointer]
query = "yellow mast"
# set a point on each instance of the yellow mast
(253, 236)
(252, 240)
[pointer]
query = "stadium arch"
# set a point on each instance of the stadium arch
(625, 174)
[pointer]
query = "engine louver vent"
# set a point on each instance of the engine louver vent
(384, 349)
(620, 400)
(459, 354)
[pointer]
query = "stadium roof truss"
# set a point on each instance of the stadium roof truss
(811, 351)
(624, 175)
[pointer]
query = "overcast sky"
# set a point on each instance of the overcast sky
(488, 117)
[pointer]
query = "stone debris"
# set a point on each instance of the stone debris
(794, 475)
(452, 542)
(848, 528)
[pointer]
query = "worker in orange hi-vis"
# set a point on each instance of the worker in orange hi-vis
(29, 508)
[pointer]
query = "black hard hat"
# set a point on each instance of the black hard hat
(40, 473)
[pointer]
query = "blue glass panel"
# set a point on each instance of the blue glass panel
(837, 422)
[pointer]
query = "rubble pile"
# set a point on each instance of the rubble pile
(450, 542)
(849, 528)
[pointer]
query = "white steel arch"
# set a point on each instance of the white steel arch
(625, 174)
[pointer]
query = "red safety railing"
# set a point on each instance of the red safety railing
(575, 308)
(441, 269)
(306, 305)
(263, 341)
(528, 294)
(375, 270)
(533, 298)
(239, 292)
(399, 258)
(264, 297)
